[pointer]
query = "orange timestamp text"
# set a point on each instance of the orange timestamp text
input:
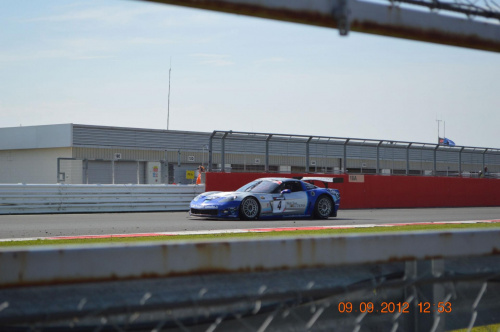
(394, 307)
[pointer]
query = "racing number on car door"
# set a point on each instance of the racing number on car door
(279, 206)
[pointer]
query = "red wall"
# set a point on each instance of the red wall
(380, 191)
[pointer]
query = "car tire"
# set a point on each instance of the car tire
(323, 207)
(249, 209)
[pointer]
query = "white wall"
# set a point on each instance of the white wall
(31, 165)
(50, 136)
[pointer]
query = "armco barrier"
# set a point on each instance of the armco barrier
(380, 191)
(372, 282)
(63, 198)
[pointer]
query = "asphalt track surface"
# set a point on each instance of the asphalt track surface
(46, 225)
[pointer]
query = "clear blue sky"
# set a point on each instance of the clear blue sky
(106, 62)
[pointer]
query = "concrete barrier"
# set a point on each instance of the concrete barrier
(383, 191)
(64, 198)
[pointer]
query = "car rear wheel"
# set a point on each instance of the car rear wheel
(323, 207)
(249, 209)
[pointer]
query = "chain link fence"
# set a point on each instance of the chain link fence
(387, 297)
(458, 290)
(472, 9)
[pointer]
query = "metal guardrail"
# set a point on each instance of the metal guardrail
(64, 198)
(428, 281)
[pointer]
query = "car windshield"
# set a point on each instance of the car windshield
(260, 186)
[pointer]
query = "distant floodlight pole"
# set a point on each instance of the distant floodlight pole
(438, 121)
(168, 105)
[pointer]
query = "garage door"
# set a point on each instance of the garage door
(101, 172)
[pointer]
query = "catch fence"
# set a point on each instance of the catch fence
(267, 152)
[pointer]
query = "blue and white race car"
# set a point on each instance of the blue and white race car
(271, 198)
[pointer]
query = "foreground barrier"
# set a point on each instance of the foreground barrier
(386, 282)
(380, 191)
(62, 198)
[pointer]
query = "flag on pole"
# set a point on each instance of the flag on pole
(446, 141)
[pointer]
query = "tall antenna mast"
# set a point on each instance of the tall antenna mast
(439, 122)
(168, 107)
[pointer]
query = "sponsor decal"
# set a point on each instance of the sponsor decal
(207, 207)
(357, 178)
(296, 205)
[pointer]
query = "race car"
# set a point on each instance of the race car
(268, 198)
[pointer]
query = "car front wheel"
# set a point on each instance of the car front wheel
(249, 209)
(323, 207)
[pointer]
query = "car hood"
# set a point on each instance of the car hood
(216, 195)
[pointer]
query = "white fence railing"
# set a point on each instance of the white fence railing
(63, 198)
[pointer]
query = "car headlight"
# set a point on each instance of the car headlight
(227, 199)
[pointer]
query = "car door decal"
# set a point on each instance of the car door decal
(278, 205)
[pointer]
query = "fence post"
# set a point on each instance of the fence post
(267, 153)
(345, 155)
(435, 160)
(460, 162)
(408, 159)
(484, 161)
(307, 154)
(210, 146)
(223, 153)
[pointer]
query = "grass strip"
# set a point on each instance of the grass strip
(253, 235)
(487, 328)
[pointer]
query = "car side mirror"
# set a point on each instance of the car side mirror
(286, 191)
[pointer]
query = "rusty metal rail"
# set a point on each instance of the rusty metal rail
(395, 282)
(368, 17)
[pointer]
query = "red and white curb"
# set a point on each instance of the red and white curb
(250, 230)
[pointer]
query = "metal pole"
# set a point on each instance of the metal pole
(484, 160)
(138, 168)
(460, 162)
(267, 153)
(210, 145)
(345, 155)
(408, 159)
(168, 107)
(307, 154)
(438, 121)
(378, 156)
(435, 160)
(59, 169)
(113, 171)
(223, 153)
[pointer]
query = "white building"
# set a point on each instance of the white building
(76, 154)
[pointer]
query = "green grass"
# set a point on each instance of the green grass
(488, 328)
(218, 237)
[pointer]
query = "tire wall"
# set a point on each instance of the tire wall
(381, 191)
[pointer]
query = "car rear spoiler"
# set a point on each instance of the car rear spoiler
(325, 180)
